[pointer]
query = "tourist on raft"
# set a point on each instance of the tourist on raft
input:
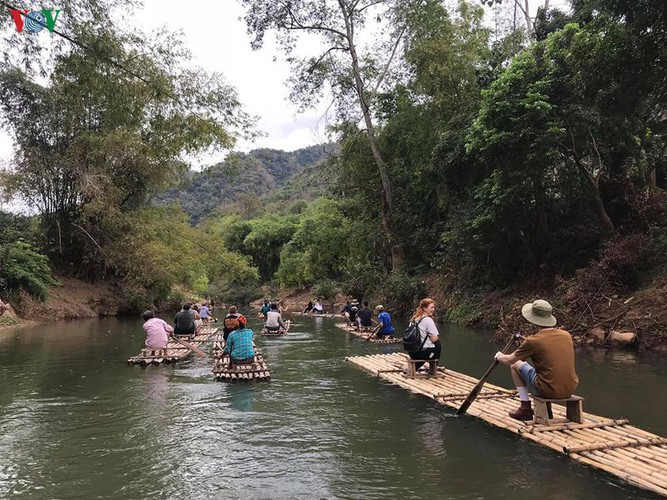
(385, 328)
(552, 352)
(309, 307)
(354, 310)
(205, 314)
(265, 309)
(274, 320)
(232, 322)
(428, 333)
(365, 317)
(345, 311)
(239, 344)
(157, 333)
(317, 307)
(184, 322)
(198, 320)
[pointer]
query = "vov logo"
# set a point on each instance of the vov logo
(35, 20)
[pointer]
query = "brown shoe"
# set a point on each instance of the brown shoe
(524, 412)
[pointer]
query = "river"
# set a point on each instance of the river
(77, 422)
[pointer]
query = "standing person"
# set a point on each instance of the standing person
(274, 320)
(232, 322)
(365, 317)
(184, 321)
(428, 333)
(157, 333)
(552, 352)
(384, 323)
(309, 307)
(239, 344)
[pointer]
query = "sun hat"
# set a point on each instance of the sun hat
(379, 308)
(539, 313)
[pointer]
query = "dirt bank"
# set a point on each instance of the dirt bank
(72, 299)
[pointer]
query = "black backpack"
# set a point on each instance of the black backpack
(412, 340)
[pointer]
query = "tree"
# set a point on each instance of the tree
(352, 75)
(106, 133)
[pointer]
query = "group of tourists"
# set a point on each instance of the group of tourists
(362, 319)
(186, 322)
(313, 307)
(552, 374)
(271, 313)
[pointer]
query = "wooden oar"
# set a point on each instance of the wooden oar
(193, 348)
(478, 388)
(373, 332)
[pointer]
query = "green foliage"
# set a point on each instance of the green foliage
(22, 269)
(402, 291)
(326, 290)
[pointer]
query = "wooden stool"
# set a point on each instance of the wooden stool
(432, 367)
(574, 409)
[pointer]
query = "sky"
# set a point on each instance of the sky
(222, 45)
(217, 37)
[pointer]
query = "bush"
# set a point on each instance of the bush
(325, 290)
(23, 269)
(401, 292)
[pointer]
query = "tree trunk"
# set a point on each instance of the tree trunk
(387, 202)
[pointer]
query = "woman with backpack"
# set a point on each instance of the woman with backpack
(429, 335)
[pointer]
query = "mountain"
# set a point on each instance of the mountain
(259, 172)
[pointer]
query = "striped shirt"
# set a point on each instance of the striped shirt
(239, 344)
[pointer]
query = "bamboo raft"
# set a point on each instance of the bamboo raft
(223, 372)
(614, 446)
(175, 351)
(365, 332)
(281, 331)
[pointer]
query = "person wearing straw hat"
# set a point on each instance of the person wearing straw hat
(552, 352)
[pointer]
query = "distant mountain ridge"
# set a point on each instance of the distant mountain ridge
(259, 172)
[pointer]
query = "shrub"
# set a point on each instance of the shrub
(23, 269)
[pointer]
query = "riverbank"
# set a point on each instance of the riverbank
(71, 299)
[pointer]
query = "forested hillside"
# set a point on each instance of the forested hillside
(257, 173)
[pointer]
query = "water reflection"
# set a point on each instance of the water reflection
(77, 422)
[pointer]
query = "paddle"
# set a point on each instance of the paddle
(193, 348)
(373, 332)
(478, 388)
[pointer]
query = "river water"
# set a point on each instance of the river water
(77, 422)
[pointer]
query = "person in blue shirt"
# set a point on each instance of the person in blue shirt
(384, 323)
(239, 345)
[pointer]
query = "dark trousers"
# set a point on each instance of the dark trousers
(429, 353)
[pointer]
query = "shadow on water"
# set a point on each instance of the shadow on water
(77, 422)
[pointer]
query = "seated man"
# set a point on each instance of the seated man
(552, 352)
(184, 322)
(365, 317)
(274, 321)
(239, 345)
(317, 307)
(308, 308)
(231, 322)
(384, 323)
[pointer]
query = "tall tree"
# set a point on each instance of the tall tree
(352, 73)
(107, 132)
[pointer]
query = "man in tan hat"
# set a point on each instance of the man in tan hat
(552, 352)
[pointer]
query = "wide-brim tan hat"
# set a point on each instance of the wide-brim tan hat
(539, 313)
(379, 308)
